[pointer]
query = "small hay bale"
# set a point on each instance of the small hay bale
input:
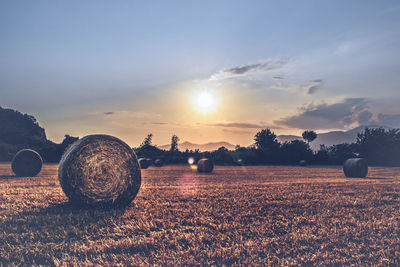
(144, 164)
(27, 162)
(205, 165)
(355, 167)
(100, 170)
(302, 163)
(158, 163)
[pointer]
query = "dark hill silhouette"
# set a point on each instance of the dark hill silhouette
(328, 139)
(19, 131)
(332, 138)
(201, 147)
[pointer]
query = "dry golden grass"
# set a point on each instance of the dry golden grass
(237, 215)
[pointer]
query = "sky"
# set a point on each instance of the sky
(206, 71)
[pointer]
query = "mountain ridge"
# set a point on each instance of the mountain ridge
(328, 139)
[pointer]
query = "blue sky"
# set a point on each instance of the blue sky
(128, 68)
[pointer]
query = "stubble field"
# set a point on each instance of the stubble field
(267, 215)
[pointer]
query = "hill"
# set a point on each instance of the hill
(18, 131)
(328, 139)
(333, 137)
(201, 147)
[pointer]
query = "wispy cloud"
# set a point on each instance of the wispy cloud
(109, 113)
(265, 65)
(314, 86)
(350, 112)
(159, 123)
(392, 120)
(243, 125)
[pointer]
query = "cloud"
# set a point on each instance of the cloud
(389, 119)
(277, 78)
(237, 131)
(345, 48)
(109, 113)
(314, 86)
(266, 65)
(243, 125)
(159, 123)
(349, 113)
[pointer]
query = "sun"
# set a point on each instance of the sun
(205, 101)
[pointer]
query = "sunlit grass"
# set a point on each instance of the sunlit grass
(237, 215)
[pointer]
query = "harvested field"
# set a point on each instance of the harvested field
(236, 215)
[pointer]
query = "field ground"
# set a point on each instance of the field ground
(237, 215)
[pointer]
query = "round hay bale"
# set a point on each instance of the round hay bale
(205, 165)
(144, 164)
(100, 170)
(158, 163)
(303, 163)
(27, 162)
(355, 167)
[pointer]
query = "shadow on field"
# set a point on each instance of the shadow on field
(376, 178)
(55, 230)
(8, 176)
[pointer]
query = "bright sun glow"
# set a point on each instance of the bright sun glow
(205, 102)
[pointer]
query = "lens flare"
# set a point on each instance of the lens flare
(191, 161)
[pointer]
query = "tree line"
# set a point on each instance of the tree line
(378, 146)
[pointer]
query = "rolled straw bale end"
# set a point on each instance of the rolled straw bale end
(205, 165)
(100, 170)
(27, 162)
(355, 167)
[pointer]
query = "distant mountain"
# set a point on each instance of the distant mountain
(202, 147)
(288, 138)
(328, 139)
(332, 138)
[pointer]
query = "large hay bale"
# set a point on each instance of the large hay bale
(158, 163)
(144, 163)
(303, 163)
(205, 165)
(27, 162)
(355, 167)
(100, 170)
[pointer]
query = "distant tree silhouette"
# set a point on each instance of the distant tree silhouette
(147, 141)
(222, 156)
(265, 139)
(339, 153)
(309, 136)
(322, 155)
(267, 146)
(174, 143)
(380, 146)
(294, 151)
(68, 140)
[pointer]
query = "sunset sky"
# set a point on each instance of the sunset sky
(206, 71)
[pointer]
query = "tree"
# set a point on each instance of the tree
(294, 151)
(265, 139)
(309, 136)
(267, 146)
(147, 141)
(339, 153)
(174, 143)
(380, 146)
